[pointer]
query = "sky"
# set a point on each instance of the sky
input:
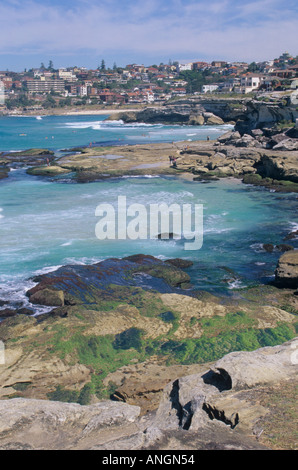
(85, 32)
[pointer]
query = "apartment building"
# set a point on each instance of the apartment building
(45, 85)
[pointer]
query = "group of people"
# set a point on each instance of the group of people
(173, 161)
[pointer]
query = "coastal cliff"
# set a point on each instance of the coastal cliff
(247, 113)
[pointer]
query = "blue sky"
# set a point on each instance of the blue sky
(83, 32)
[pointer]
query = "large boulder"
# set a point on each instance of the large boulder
(41, 424)
(211, 119)
(224, 392)
(78, 284)
(286, 273)
(228, 137)
(287, 144)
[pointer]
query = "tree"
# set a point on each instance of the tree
(51, 65)
(103, 65)
(115, 67)
(253, 67)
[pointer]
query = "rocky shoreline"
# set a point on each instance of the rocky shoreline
(224, 407)
(155, 364)
(108, 334)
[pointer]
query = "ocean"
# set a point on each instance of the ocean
(46, 223)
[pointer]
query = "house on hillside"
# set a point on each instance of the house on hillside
(209, 88)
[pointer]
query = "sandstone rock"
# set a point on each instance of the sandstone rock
(216, 408)
(196, 120)
(287, 144)
(277, 138)
(48, 297)
(280, 166)
(257, 133)
(286, 273)
(211, 119)
(229, 136)
(35, 423)
(190, 402)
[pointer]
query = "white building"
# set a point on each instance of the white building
(182, 67)
(67, 75)
(82, 90)
(252, 82)
(209, 88)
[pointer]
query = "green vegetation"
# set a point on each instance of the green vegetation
(72, 396)
(105, 354)
(206, 349)
(284, 124)
(131, 338)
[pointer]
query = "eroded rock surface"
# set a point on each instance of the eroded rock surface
(215, 409)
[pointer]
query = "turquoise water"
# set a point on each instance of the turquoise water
(60, 132)
(45, 224)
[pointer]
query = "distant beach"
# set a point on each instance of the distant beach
(71, 112)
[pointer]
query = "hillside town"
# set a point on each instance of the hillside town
(47, 87)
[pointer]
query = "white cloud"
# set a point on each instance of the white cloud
(250, 30)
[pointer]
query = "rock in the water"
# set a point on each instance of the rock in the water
(180, 263)
(7, 312)
(268, 247)
(78, 284)
(286, 273)
(49, 297)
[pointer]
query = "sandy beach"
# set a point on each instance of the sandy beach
(71, 112)
(100, 112)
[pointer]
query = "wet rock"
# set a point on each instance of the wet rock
(180, 263)
(268, 247)
(78, 284)
(7, 312)
(291, 235)
(48, 297)
(284, 247)
(25, 311)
